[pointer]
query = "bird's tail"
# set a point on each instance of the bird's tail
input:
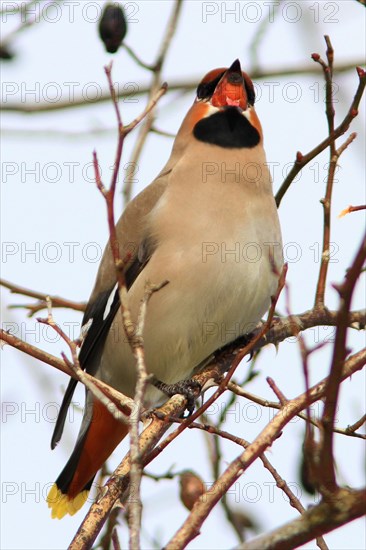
(70, 491)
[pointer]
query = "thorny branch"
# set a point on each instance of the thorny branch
(282, 330)
(119, 480)
(191, 526)
(280, 482)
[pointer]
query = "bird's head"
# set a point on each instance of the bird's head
(223, 112)
(227, 88)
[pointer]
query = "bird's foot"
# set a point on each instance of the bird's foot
(190, 389)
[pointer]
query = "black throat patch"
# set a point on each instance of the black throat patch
(227, 128)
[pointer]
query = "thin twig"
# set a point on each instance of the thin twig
(134, 336)
(303, 160)
(75, 367)
(163, 133)
(333, 160)
(310, 447)
(25, 23)
(42, 297)
(353, 427)
(276, 390)
(261, 32)
(122, 401)
(115, 540)
(137, 344)
(352, 209)
(282, 328)
(322, 518)
(216, 456)
(233, 387)
(154, 86)
(95, 520)
(281, 483)
(186, 85)
(150, 106)
(12, 9)
(326, 202)
(119, 480)
(327, 475)
(136, 58)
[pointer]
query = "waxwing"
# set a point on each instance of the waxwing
(207, 224)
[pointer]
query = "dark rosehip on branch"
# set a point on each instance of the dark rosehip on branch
(112, 27)
(6, 53)
(191, 488)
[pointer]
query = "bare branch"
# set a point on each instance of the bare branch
(326, 516)
(191, 526)
(351, 209)
(175, 407)
(281, 329)
(262, 28)
(79, 373)
(326, 464)
(351, 429)
(135, 505)
(25, 22)
(333, 159)
(119, 480)
(153, 101)
(155, 84)
(184, 86)
(42, 304)
(280, 482)
(116, 396)
(134, 337)
(136, 58)
(233, 387)
(303, 160)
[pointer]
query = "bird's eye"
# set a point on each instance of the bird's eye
(206, 89)
(202, 91)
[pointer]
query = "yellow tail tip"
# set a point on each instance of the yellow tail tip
(61, 504)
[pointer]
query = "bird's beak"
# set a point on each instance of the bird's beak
(230, 91)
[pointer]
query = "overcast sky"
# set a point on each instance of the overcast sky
(54, 229)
